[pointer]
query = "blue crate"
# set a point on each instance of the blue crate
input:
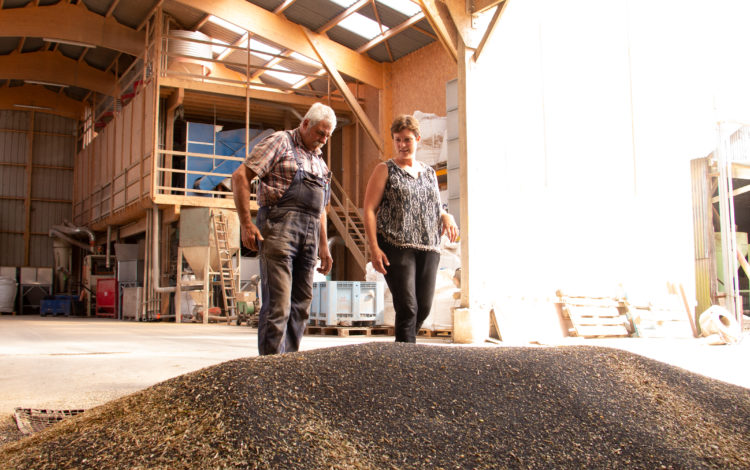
(59, 305)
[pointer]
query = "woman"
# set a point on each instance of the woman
(403, 223)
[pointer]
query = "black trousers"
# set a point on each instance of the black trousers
(411, 279)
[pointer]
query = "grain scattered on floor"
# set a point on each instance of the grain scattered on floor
(401, 406)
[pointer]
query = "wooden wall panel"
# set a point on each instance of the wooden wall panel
(136, 132)
(110, 152)
(418, 80)
(98, 163)
(133, 183)
(148, 129)
(120, 163)
(146, 179)
(126, 124)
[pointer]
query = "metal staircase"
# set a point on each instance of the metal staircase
(349, 223)
(226, 272)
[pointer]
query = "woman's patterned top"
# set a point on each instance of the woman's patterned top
(409, 212)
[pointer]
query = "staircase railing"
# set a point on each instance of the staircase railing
(349, 223)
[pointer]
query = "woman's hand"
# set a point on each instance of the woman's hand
(379, 260)
(449, 226)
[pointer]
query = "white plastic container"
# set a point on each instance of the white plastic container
(8, 289)
(349, 301)
(315, 304)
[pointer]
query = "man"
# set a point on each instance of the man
(291, 224)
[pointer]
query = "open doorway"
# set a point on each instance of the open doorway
(721, 216)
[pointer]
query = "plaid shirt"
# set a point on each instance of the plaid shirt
(272, 159)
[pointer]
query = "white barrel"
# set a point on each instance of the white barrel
(8, 288)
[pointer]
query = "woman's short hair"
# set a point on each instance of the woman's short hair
(405, 122)
(319, 112)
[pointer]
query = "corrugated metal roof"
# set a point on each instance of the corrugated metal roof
(312, 14)
(129, 12)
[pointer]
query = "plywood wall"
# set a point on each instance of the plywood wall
(419, 79)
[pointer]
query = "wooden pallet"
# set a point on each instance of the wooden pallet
(596, 317)
(662, 318)
(350, 330)
(439, 333)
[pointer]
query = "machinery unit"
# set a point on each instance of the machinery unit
(95, 268)
(106, 297)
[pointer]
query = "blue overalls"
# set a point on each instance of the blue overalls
(288, 255)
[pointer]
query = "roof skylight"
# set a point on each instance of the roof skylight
(344, 3)
(361, 25)
(257, 48)
(226, 24)
(283, 74)
(305, 59)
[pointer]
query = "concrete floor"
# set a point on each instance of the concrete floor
(78, 363)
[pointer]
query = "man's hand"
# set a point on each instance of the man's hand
(251, 236)
(326, 262)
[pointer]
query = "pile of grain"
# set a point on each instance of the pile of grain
(397, 406)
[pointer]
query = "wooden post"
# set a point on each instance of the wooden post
(178, 289)
(158, 25)
(206, 284)
(475, 266)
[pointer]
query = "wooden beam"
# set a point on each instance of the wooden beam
(111, 9)
(245, 37)
(149, 14)
(480, 6)
(269, 96)
(490, 29)
(382, 30)
(391, 32)
(79, 25)
(280, 9)
(350, 99)
(737, 191)
(201, 23)
(441, 22)
(462, 19)
(287, 34)
(341, 16)
(740, 171)
(37, 95)
(54, 67)
(386, 111)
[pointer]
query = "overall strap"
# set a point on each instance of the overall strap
(290, 138)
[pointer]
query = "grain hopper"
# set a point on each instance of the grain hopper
(199, 245)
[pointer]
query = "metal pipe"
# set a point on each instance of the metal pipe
(84, 230)
(54, 232)
(109, 234)
(155, 271)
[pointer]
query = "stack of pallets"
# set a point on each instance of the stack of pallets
(595, 317)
